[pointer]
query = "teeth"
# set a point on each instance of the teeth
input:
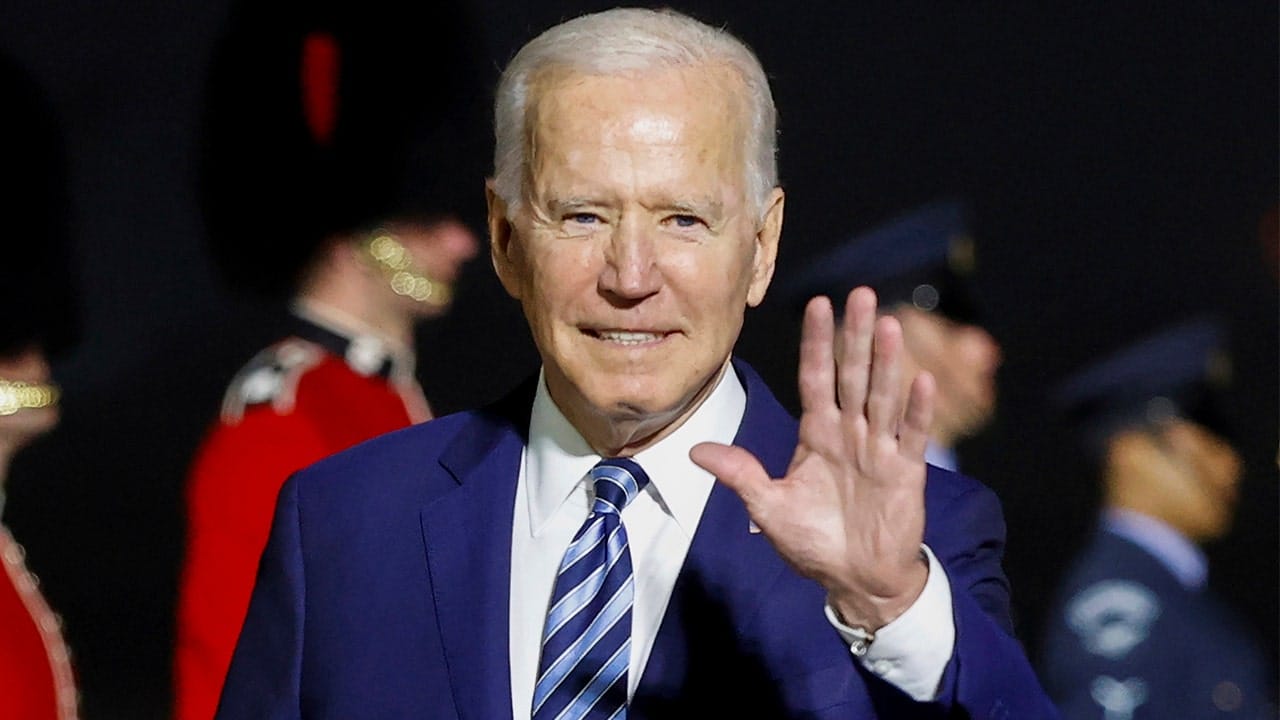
(628, 338)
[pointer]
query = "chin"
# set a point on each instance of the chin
(1209, 529)
(630, 400)
(631, 405)
(426, 311)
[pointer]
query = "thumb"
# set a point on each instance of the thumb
(735, 467)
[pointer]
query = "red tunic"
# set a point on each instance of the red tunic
(36, 679)
(294, 404)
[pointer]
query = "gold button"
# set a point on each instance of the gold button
(14, 554)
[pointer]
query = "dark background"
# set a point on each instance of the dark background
(1118, 157)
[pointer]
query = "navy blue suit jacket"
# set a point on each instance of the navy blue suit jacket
(384, 593)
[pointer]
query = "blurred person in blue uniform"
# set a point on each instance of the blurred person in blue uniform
(38, 323)
(1134, 633)
(340, 169)
(920, 263)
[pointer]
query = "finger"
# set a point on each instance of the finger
(884, 397)
(737, 468)
(856, 347)
(817, 359)
(913, 435)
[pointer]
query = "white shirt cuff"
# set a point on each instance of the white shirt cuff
(912, 652)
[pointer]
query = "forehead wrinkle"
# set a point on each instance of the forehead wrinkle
(651, 129)
(623, 136)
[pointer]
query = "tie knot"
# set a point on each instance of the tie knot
(617, 482)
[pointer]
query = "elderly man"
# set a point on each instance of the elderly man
(640, 529)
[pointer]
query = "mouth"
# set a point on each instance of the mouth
(627, 337)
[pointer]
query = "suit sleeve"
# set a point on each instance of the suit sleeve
(264, 680)
(989, 675)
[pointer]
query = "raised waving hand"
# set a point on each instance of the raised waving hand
(850, 511)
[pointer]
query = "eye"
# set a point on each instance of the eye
(686, 221)
(583, 218)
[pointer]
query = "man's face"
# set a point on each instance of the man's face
(1198, 491)
(20, 428)
(634, 251)
(438, 251)
(963, 360)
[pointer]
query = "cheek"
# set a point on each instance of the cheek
(1220, 469)
(26, 367)
(925, 351)
(719, 278)
(564, 270)
(558, 279)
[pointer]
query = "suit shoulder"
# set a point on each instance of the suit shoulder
(409, 452)
(421, 460)
(943, 486)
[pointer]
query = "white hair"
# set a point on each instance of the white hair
(622, 41)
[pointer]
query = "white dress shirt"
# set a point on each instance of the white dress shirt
(1181, 556)
(553, 497)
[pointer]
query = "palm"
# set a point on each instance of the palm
(850, 511)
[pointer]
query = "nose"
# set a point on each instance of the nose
(983, 346)
(28, 365)
(461, 242)
(630, 269)
(1232, 466)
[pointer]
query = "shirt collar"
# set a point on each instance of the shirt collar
(943, 457)
(367, 351)
(1181, 556)
(558, 459)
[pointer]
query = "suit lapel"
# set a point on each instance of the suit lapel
(467, 538)
(726, 565)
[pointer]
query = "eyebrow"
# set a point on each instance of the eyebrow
(558, 206)
(707, 208)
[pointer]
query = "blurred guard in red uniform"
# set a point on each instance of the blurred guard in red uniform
(341, 168)
(37, 681)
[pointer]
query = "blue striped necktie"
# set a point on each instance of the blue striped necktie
(586, 643)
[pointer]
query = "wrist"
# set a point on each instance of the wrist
(866, 612)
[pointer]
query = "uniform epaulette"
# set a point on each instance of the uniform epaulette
(272, 376)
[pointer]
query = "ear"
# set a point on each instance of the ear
(766, 247)
(340, 253)
(501, 234)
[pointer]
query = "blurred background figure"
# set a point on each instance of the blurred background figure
(341, 163)
(919, 264)
(1133, 632)
(37, 322)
